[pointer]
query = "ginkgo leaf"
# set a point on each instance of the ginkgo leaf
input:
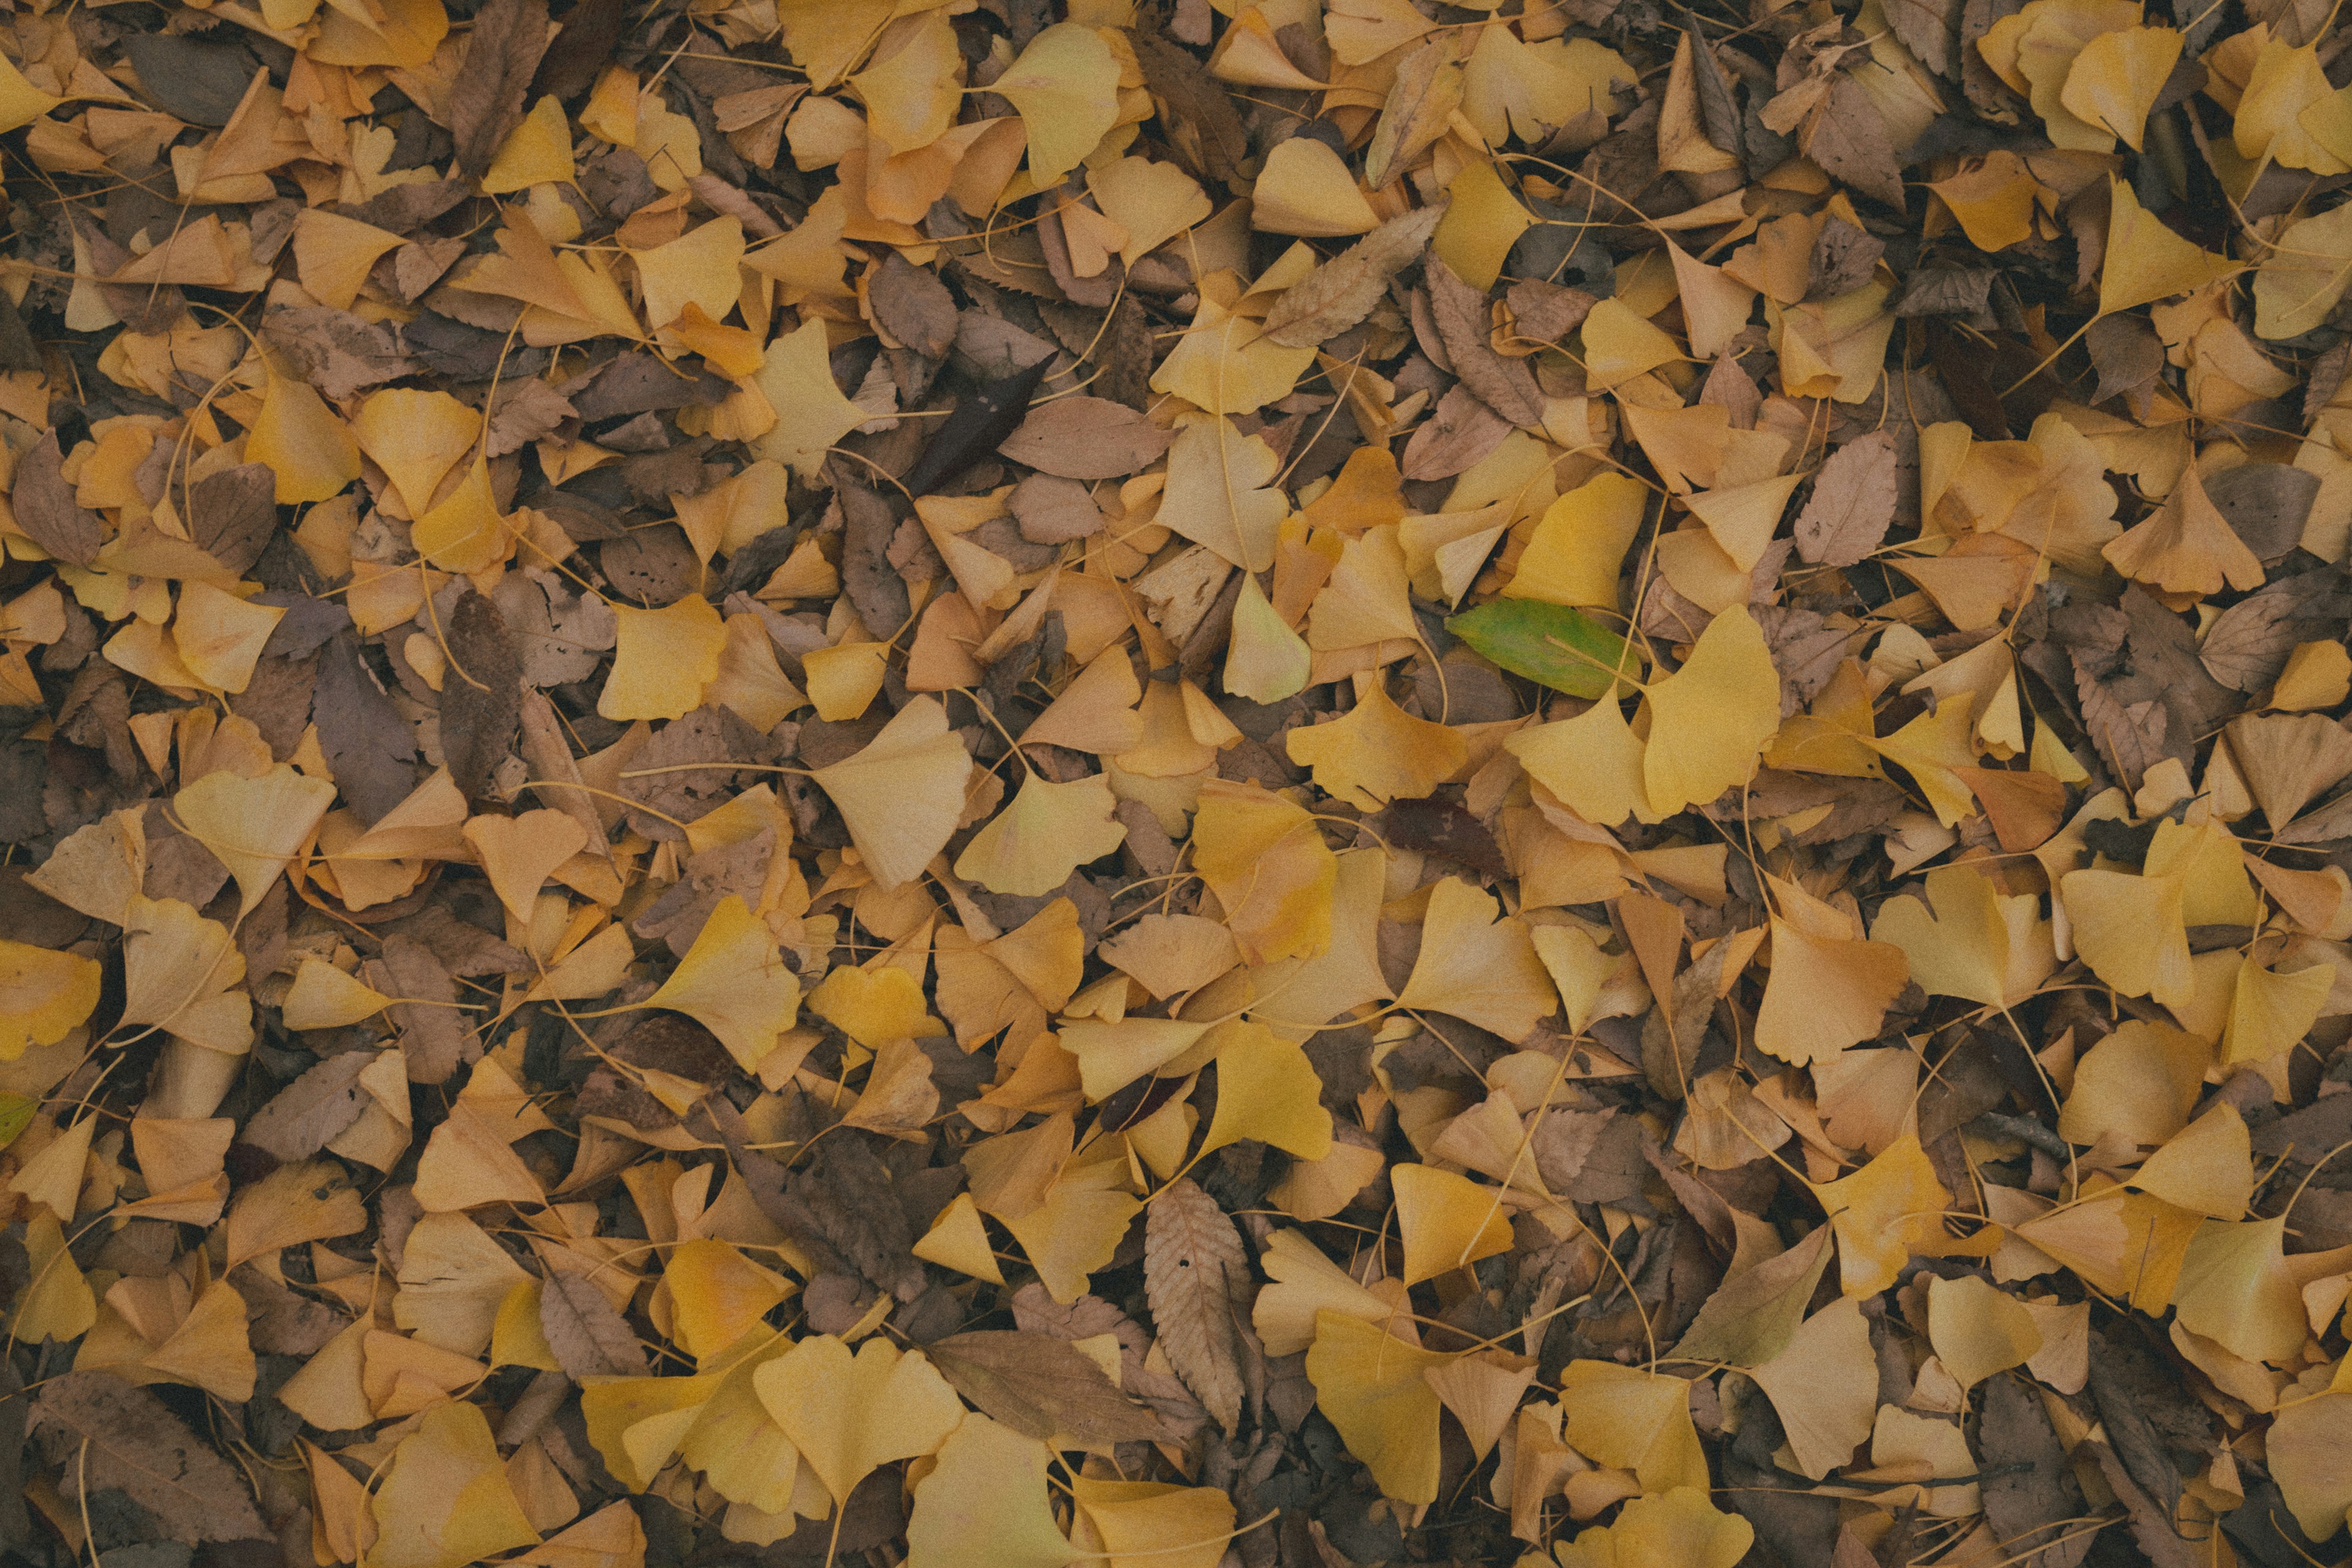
(1826, 992)
(1447, 1221)
(2115, 80)
(850, 1415)
(734, 981)
(255, 827)
(444, 1501)
(1882, 1212)
(1680, 1526)
(1592, 763)
(1634, 1420)
(1477, 968)
(1268, 1091)
(1371, 1389)
(179, 972)
(1965, 938)
(2148, 261)
(987, 1496)
(43, 995)
(302, 441)
(1065, 85)
(811, 413)
(664, 659)
(1709, 720)
(324, 997)
(519, 853)
(1377, 753)
(902, 795)
(1219, 491)
(874, 1006)
(1268, 867)
(1048, 832)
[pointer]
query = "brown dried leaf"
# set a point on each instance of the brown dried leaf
(589, 1339)
(111, 1436)
(1196, 1275)
(1083, 437)
(1506, 386)
(1342, 290)
(486, 101)
(1040, 1385)
(1853, 503)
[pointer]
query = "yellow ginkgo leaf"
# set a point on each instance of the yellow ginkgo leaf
(324, 997)
(958, 1239)
(1224, 364)
(2186, 545)
(416, 438)
(1477, 968)
(1219, 491)
(444, 1501)
(1592, 763)
(2309, 1449)
(717, 1294)
(1676, 1529)
(220, 637)
(179, 970)
(21, 102)
(2207, 1168)
(1047, 833)
(462, 532)
(2130, 930)
(1965, 938)
(1825, 993)
(1270, 869)
(701, 267)
(849, 1415)
(902, 795)
(255, 827)
(874, 1006)
(1620, 344)
(1579, 545)
(518, 853)
(2145, 260)
(1377, 753)
(538, 151)
(1995, 199)
(986, 1501)
(1709, 720)
(733, 982)
(299, 440)
(43, 995)
(1151, 1524)
(2115, 81)
(1266, 661)
(2271, 1010)
(1308, 190)
(57, 1304)
(1978, 1329)
(1446, 1221)
(811, 413)
(1267, 1091)
(1371, 1388)
(1882, 1212)
(332, 254)
(2137, 1084)
(2238, 1288)
(1065, 87)
(1111, 1056)
(1820, 1382)
(2304, 275)
(664, 659)
(1632, 1420)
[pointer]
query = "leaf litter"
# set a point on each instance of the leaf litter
(1299, 784)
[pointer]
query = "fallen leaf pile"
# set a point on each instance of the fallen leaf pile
(1206, 785)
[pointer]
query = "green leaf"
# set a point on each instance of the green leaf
(15, 1115)
(1551, 644)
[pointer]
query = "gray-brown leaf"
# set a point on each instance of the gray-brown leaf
(588, 1336)
(1086, 438)
(1342, 292)
(486, 101)
(1852, 502)
(111, 1436)
(1196, 1276)
(1506, 386)
(45, 508)
(315, 1106)
(1040, 1385)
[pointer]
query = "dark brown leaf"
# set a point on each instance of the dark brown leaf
(1040, 1386)
(45, 508)
(481, 694)
(486, 102)
(1853, 503)
(1505, 385)
(109, 1435)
